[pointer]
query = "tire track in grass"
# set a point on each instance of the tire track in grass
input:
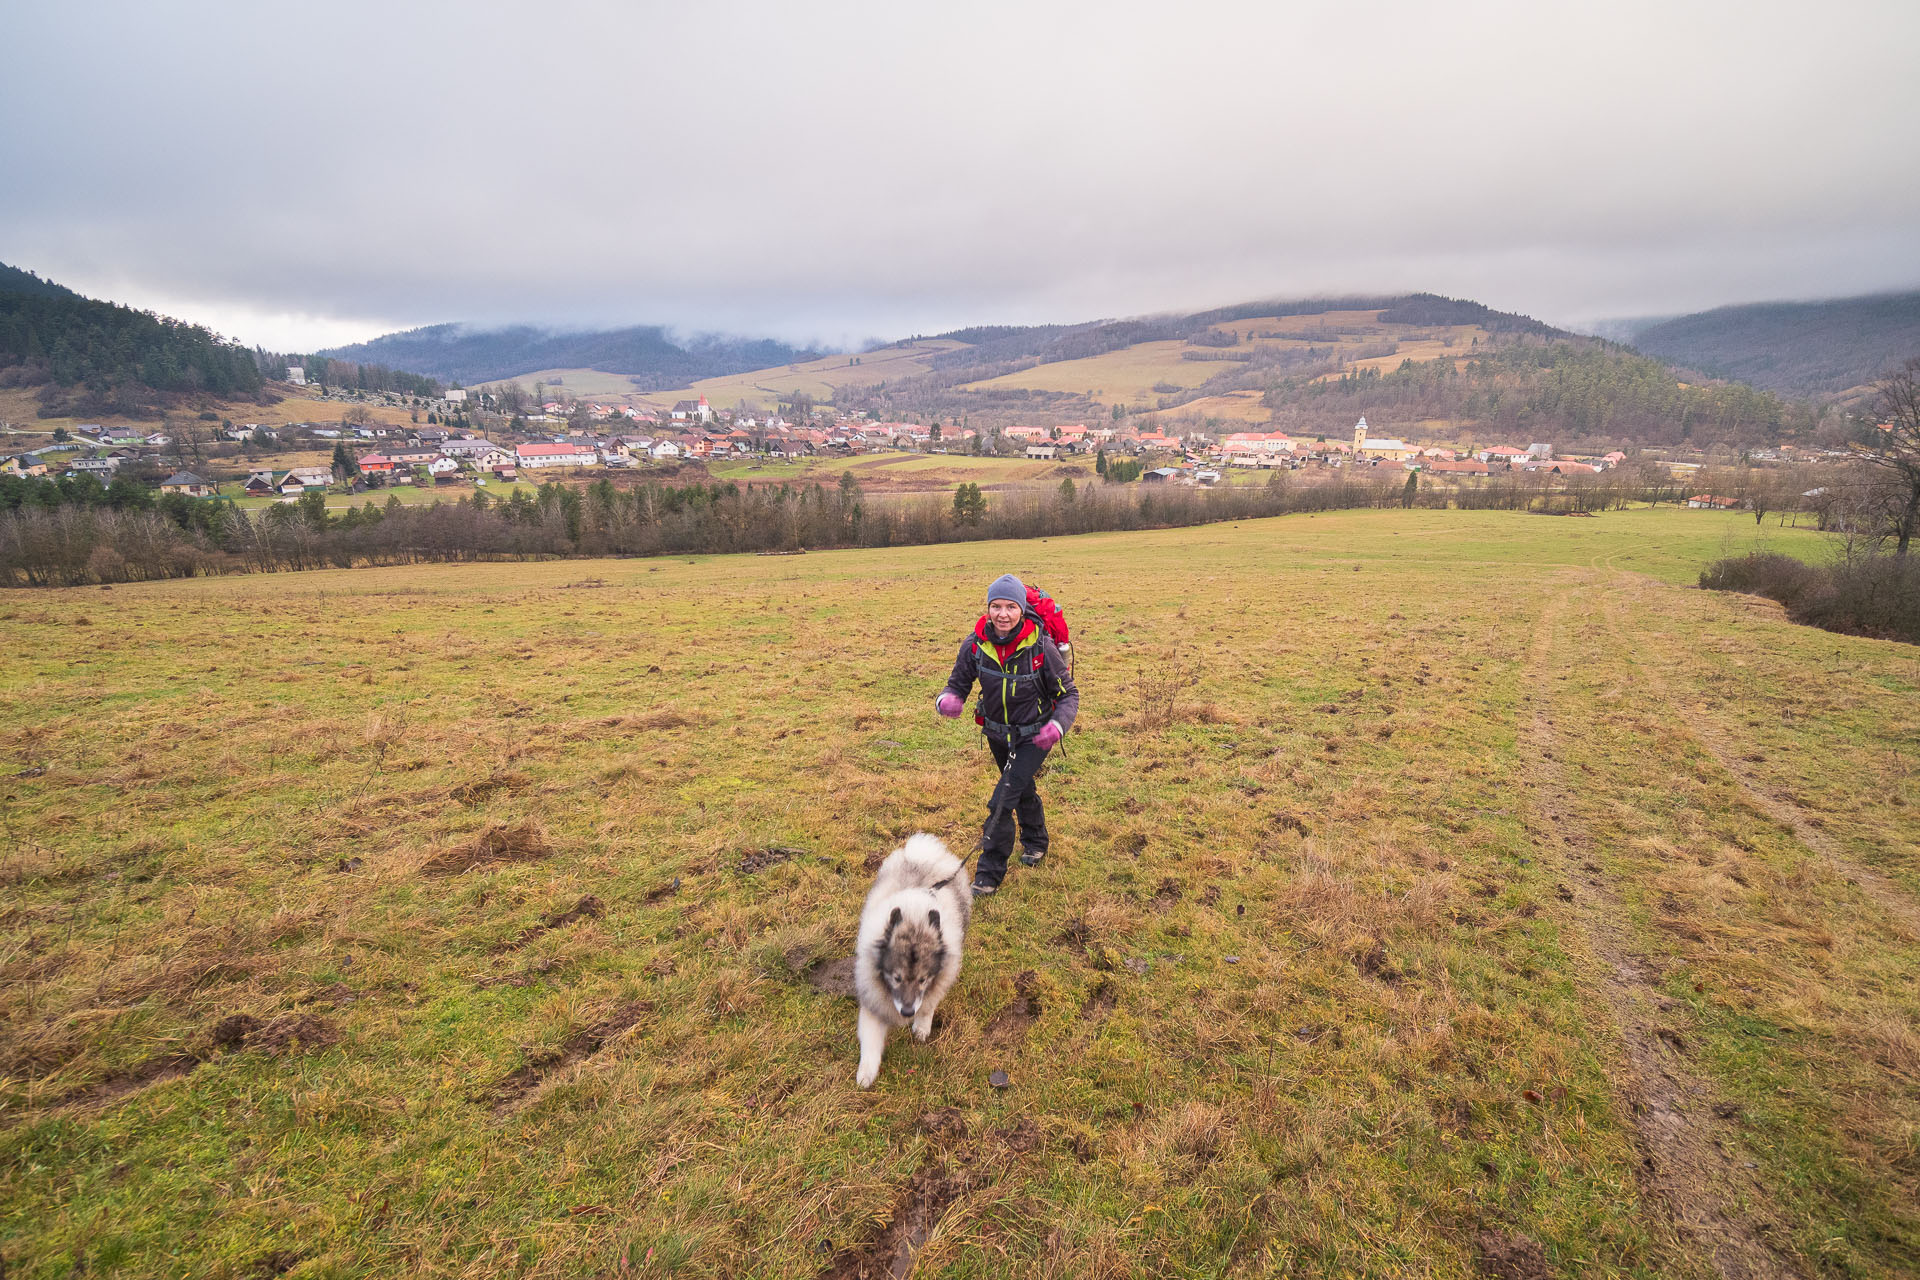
(1896, 902)
(1685, 1163)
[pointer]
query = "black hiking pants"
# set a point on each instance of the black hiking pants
(1014, 795)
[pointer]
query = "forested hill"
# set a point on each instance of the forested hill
(1811, 349)
(460, 354)
(988, 345)
(101, 357)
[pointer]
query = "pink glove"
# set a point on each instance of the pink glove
(1050, 733)
(948, 704)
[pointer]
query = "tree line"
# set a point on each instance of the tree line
(98, 541)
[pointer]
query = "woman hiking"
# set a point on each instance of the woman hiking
(1027, 704)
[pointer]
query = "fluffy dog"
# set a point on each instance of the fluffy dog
(908, 952)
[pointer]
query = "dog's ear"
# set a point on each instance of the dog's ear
(933, 918)
(893, 922)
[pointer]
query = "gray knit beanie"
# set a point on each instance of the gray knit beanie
(1007, 587)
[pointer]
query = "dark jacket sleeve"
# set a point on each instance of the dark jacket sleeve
(960, 683)
(1060, 685)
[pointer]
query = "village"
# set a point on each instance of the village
(566, 438)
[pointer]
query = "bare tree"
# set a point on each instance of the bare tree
(1893, 445)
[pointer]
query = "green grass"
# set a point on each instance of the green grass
(904, 472)
(409, 495)
(1408, 1047)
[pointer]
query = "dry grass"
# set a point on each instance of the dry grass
(450, 921)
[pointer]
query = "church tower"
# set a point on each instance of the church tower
(1359, 435)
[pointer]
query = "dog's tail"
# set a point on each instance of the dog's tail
(931, 861)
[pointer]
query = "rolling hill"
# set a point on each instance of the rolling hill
(644, 354)
(1810, 349)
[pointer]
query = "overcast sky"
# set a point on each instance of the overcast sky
(303, 175)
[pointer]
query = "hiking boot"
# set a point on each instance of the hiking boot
(981, 889)
(1032, 857)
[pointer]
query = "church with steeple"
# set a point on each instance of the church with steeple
(1378, 449)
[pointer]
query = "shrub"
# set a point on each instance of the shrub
(1776, 577)
(1874, 596)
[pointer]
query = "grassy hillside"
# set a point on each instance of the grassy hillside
(649, 354)
(1795, 348)
(821, 379)
(1327, 343)
(1491, 904)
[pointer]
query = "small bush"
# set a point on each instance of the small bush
(1876, 596)
(1776, 577)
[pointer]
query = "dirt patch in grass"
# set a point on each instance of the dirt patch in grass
(1504, 1256)
(1100, 1001)
(772, 856)
(512, 1088)
(588, 908)
(648, 720)
(1009, 1026)
(117, 1085)
(916, 1211)
(497, 845)
(944, 1126)
(833, 977)
(472, 793)
(288, 1033)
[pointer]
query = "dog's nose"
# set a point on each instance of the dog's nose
(906, 1010)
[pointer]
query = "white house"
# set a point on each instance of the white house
(547, 454)
(457, 395)
(665, 449)
(102, 467)
(301, 479)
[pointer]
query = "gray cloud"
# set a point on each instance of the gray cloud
(839, 170)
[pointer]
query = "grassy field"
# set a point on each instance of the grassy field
(1492, 903)
(1129, 375)
(20, 405)
(409, 495)
(763, 388)
(906, 472)
(582, 384)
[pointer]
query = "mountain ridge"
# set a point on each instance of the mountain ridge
(1823, 348)
(460, 353)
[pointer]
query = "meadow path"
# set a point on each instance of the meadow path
(1691, 1162)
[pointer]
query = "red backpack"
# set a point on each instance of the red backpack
(1042, 609)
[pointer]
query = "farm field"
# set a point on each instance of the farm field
(906, 472)
(20, 406)
(1128, 376)
(409, 495)
(762, 388)
(585, 384)
(1492, 903)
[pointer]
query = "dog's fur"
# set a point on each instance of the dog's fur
(908, 952)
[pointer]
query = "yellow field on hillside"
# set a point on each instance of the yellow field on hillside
(905, 472)
(20, 406)
(1128, 376)
(1241, 408)
(581, 384)
(763, 388)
